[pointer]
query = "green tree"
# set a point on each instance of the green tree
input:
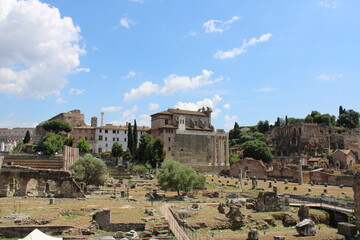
(175, 176)
(234, 158)
(50, 144)
(258, 150)
(90, 170)
(68, 141)
(130, 143)
(348, 119)
(263, 126)
(145, 149)
(127, 155)
(83, 146)
(135, 139)
(27, 137)
(117, 151)
(158, 151)
(56, 126)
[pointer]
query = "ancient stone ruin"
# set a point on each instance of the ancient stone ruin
(270, 202)
(306, 227)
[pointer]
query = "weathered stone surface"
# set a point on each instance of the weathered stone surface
(306, 228)
(236, 218)
(356, 188)
(279, 238)
(303, 212)
(119, 234)
(289, 221)
(253, 234)
(270, 221)
(347, 229)
(221, 208)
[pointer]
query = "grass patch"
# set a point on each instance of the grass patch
(210, 186)
(69, 218)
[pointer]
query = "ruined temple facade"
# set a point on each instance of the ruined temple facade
(310, 138)
(190, 138)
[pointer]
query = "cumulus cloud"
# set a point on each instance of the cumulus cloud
(38, 48)
(332, 4)
(329, 77)
(76, 91)
(111, 109)
(172, 84)
(144, 89)
(218, 26)
(126, 116)
(126, 22)
(242, 49)
(229, 121)
(227, 106)
(207, 102)
(153, 106)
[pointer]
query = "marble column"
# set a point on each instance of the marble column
(222, 163)
(215, 152)
(227, 152)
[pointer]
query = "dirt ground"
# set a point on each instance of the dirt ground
(77, 212)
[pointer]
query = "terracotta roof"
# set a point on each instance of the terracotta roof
(344, 151)
(162, 113)
(185, 112)
(85, 126)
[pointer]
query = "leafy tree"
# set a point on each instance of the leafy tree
(145, 149)
(158, 151)
(258, 150)
(117, 151)
(27, 137)
(234, 158)
(68, 141)
(349, 119)
(130, 144)
(90, 170)
(50, 144)
(178, 177)
(140, 169)
(56, 126)
(263, 126)
(83, 146)
(127, 155)
(236, 126)
(135, 133)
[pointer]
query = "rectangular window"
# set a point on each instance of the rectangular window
(106, 145)
(106, 131)
(169, 139)
(86, 138)
(124, 139)
(114, 139)
(169, 148)
(117, 131)
(114, 131)
(105, 138)
(125, 132)
(100, 130)
(100, 138)
(100, 150)
(117, 139)
(166, 121)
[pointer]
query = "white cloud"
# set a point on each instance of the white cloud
(38, 50)
(265, 89)
(332, 4)
(229, 121)
(145, 120)
(240, 50)
(207, 102)
(131, 74)
(13, 124)
(214, 26)
(95, 48)
(153, 106)
(330, 77)
(76, 91)
(172, 84)
(145, 88)
(126, 116)
(126, 22)
(227, 106)
(111, 109)
(61, 100)
(82, 70)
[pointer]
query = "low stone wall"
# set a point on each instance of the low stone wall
(125, 227)
(256, 168)
(23, 231)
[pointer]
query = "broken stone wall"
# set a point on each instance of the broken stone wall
(256, 168)
(356, 189)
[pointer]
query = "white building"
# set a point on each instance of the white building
(108, 134)
(9, 137)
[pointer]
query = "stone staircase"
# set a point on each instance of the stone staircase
(118, 172)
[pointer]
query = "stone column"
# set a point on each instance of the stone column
(215, 152)
(300, 180)
(221, 151)
(227, 152)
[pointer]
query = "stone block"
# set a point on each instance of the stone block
(347, 229)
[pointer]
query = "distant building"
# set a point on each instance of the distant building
(107, 135)
(343, 159)
(9, 137)
(189, 137)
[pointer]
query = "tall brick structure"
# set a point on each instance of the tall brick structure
(190, 138)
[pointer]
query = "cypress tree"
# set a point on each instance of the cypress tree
(130, 144)
(135, 133)
(27, 137)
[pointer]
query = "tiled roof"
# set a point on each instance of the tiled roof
(162, 113)
(185, 112)
(344, 151)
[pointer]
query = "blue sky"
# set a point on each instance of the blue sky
(248, 60)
